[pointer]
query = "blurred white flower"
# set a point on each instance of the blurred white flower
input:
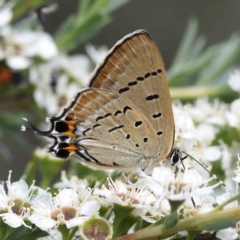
(19, 47)
(224, 197)
(18, 62)
(5, 14)
(59, 80)
(234, 81)
(96, 54)
(235, 107)
(227, 233)
(78, 67)
(237, 172)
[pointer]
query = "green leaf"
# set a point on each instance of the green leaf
(37, 233)
(120, 213)
(192, 234)
(24, 233)
(171, 220)
(90, 17)
(227, 134)
(125, 225)
(227, 54)
(21, 7)
(220, 225)
(189, 36)
(141, 224)
(3, 229)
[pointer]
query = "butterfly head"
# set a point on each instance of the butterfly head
(176, 156)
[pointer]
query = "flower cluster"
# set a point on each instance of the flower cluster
(30, 53)
(203, 130)
(148, 198)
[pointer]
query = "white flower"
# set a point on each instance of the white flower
(18, 62)
(234, 81)
(74, 183)
(224, 197)
(19, 47)
(78, 67)
(5, 14)
(237, 172)
(65, 208)
(212, 153)
(227, 233)
(140, 199)
(97, 55)
(16, 203)
(235, 106)
(181, 186)
(58, 81)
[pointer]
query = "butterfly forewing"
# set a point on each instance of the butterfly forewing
(124, 119)
(135, 70)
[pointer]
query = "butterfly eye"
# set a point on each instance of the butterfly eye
(176, 157)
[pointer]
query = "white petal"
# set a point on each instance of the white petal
(46, 48)
(17, 189)
(227, 233)
(5, 16)
(160, 174)
(235, 106)
(89, 208)
(12, 220)
(65, 197)
(212, 153)
(42, 222)
(18, 62)
(234, 81)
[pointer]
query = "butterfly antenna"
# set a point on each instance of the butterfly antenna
(214, 176)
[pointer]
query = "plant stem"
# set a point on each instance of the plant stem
(195, 223)
(190, 93)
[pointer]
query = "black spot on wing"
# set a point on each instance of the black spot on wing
(96, 125)
(126, 108)
(152, 97)
(84, 132)
(99, 118)
(117, 112)
(122, 90)
(61, 127)
(154, 73)
(138, 123)
(132, 83)
(157, 115)
(147, 75)
(145, 139)
(107, 115)
(140, 78)
(62, 153)
(115, 128)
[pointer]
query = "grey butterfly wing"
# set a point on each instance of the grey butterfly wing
(124, 119)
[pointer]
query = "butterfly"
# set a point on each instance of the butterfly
(124, 119)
